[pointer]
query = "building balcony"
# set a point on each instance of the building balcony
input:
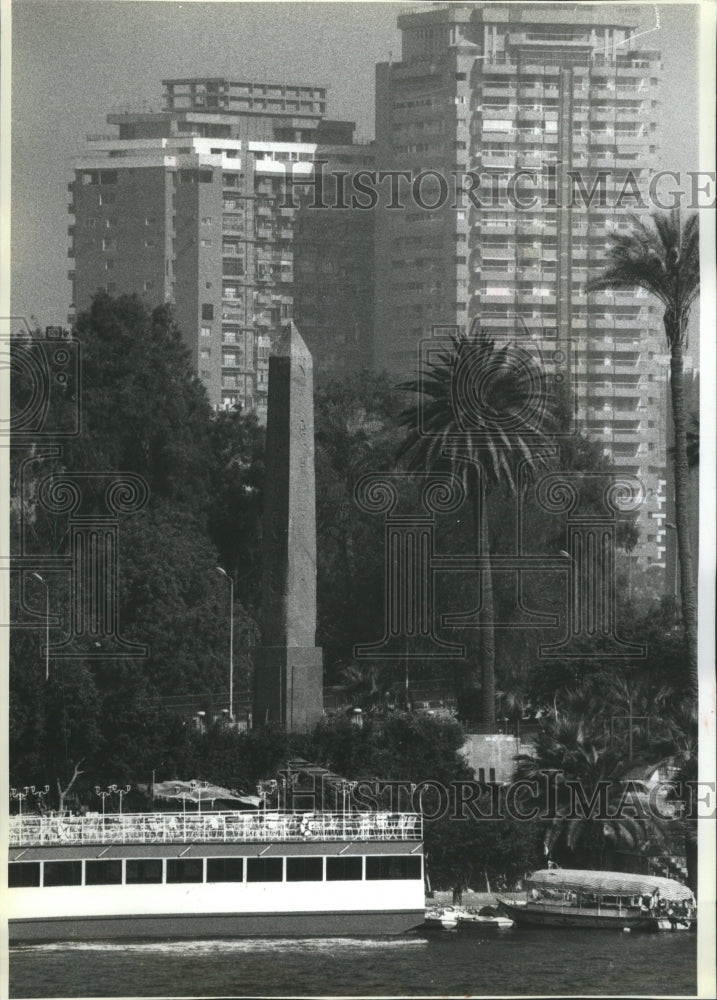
(619, 392)
(498, 114)
(600, 93)
(529, 253)
(500, 68)
(497, 253)
(636, 323)
(489, 274)
(527, 298)
(626, 437)
(630, 73)
(506, 92)
(538, 69)
(494, 298)
(507, 162)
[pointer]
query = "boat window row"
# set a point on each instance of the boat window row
(173, 871)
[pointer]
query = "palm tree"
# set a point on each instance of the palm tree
(482, 408)
(579, 758)
(662, 257)
(673, 752)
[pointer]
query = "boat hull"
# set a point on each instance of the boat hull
(565, 916)
(214, 925)
(481, 924)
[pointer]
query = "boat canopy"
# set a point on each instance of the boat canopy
(609, 883)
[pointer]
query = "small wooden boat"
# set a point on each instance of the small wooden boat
(559, 897)
(485, 919)
(443, 918)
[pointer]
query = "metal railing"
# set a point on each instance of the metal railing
(212, 827)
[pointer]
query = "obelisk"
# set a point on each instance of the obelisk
(288, 677)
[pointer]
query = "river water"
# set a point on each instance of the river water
(525, 961)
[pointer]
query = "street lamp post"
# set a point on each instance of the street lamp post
(39, 793)
(224, 573)
(121, 792)
(19, 794)
(103, 793)
(47, 624)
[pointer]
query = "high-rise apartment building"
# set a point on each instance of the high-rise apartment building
(525, 95)
(190, 205)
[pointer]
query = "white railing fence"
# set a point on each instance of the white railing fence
(222, 827)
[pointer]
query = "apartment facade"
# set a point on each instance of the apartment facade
(537, 94)
(190, 205)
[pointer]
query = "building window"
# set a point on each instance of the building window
(205, 353)
(344, 869)
(206, 243)
(103, 872)
(62, 873)
(206, 331)
(185, 870)
(264, 869)
(225, 869)
(206, 220)
(207, 310)
(148, 286)
(23, 875)
(107, 198)
(304, 869)
(144, 871)
(400, 867)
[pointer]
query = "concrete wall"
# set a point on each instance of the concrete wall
(492, 757)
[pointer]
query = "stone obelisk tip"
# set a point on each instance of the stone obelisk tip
(289, 344)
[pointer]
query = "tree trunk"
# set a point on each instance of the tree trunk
(688, 594)
(487, 630)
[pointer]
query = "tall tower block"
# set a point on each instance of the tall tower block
(288, 681)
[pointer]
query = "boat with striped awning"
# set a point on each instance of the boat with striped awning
(565, 897)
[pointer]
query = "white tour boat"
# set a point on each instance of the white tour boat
(214, 874)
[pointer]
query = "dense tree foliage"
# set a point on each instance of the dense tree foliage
(143, 413)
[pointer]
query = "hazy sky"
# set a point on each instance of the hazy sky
(75, 60)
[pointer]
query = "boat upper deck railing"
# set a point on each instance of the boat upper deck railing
(212, 827)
